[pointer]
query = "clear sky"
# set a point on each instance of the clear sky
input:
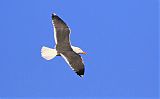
(119, 36)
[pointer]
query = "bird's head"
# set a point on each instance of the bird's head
(78, 50)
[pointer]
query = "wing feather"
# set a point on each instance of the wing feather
(75, 61)
(61, 34)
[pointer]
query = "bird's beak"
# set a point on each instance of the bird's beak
(83, 53)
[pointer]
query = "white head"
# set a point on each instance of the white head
(78, 50)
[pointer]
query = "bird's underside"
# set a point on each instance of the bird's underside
(63, 46)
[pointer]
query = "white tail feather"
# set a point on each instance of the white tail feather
(48, 53)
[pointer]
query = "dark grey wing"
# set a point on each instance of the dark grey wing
(75, 62)
(61, 34)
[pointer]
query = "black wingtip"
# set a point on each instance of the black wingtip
(80, 73)
(81, 76)
(53, 15)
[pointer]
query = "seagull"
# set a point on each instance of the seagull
(63, 47)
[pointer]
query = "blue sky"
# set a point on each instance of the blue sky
(120, 37)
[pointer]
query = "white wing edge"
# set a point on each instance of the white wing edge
(66, 61)
(55, 36)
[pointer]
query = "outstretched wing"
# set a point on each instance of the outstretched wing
(75, 62)
(61, 34)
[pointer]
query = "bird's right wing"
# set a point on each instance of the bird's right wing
(61, 33)
(75, 61)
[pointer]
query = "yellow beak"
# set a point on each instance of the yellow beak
(83, 53)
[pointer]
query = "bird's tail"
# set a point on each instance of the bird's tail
(48, 53)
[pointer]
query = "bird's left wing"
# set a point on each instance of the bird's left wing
(75, 61)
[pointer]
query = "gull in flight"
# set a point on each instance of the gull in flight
(63, 47)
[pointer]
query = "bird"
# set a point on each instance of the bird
(63, 47)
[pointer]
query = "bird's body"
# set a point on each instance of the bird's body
(63, 47)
